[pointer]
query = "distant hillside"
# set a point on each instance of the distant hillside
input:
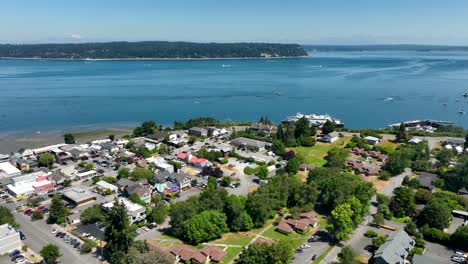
(151, 49)
(384, 48)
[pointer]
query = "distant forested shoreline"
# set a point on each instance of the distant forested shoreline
(151, 49)
(403, 47)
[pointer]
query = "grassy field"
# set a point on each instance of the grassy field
(294, 239)
(315, 155)
(231, 253)
(241, 238)
(402, 220)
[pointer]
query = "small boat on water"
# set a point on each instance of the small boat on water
(461, 112)
(465, 95)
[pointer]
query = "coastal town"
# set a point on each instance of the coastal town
(305, 190)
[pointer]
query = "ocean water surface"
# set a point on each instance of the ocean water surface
(363, 89)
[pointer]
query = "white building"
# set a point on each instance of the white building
(162, 165)
(8, 170)
(135, 211)
(372, 140)
(29, 183)
(9, 239)
(103, 185)
(86, 174)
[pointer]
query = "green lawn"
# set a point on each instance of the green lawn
(241, 239)
(294, 239)
(401, 220)
(231, 253)
(315, 155)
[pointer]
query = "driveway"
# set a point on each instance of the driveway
(38, 234)
(438, 252)
(316, 248)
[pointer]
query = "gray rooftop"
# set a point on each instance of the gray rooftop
(242, 141)
(78, 195)
(175, 177)
(395, 249)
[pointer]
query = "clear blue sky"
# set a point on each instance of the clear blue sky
(300, 21)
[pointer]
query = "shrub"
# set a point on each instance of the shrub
(249, 170)
(384, 175)
(86, 248)
(435, 235)
(371, 233)
(36, 215)
(308, 142)
(223, 161)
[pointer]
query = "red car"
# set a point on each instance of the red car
(40, 208)
(28, 211)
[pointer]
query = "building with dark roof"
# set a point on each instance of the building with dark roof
(426, 180)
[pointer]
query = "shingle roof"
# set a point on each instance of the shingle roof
(396, 248)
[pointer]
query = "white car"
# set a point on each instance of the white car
(458, 259)
(54, 231)
(305, 246)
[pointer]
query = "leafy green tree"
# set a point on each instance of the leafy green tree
(397, 162)
(111, 137)
(58, 212)
(280, 135)
(37, 215)
(385, 211)
(342, 221)
(289, 136)
(212, 183)
(141, 173)
(465, 144)
(118, 234)
(378, 241)
(46, 160)
(401, 134)
(456, 179)
(403, 203)
(436, 214)
(378, 219)
(69, 139)
(460, 238)
(123, 173)
(262, 172)
(303, 128)
(264, 253)
(92, 214)
(226, 181)
(181, 212)
(357, 208)
(336, 157)
(153, 256)
(146, 128)
(278, 147)
(50, 253)
(158, 212)
(6, 217)
(328, 127)
(206, 226)
(348, 256)
(444, 156)
(292, 167)
(423, 196)
(411, 228)
(308, 142)
(237, 217)
(384, 175)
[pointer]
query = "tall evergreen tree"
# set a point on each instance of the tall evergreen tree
(401, 135)
(280, 133)
(118, 235)
(57, 210)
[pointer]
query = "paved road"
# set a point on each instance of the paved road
(38, 234)
(395, 182)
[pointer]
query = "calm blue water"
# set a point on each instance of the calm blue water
(355, 87)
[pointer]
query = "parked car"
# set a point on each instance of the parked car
(28, 211)
(14, 253)
(458, 259)
(314, 257)
(54, 231)
(14, 258)
(22, 236)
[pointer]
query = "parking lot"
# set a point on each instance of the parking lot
(95, 230)
(438, 252)
(316, 248)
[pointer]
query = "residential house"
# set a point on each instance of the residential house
(329, 138)
(180, 179)
(199, 162)
(161, 164)
(284, 228)
(74, 219)
(158, 136)
(198, 132)
(415, 140)
(372, 140)
(86, 174)
(259, 128)
(186, 254)
(427, 180)
(396, 248)
(142, 191)
(135, 211)
(9, 239)
(248, 143)
(306, 167)
(363, 167)
(4, 157)
(214, 131)
(214, 253)
(25, 164)
(123, 183)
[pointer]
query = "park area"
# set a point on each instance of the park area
(315, 155)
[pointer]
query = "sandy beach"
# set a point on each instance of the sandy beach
(12, 142)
